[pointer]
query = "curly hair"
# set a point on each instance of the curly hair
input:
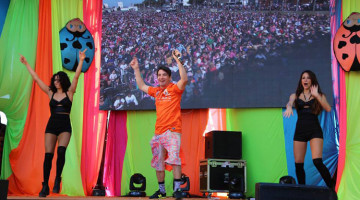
(316, 107)
(64, 81)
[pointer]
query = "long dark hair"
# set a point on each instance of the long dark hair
(64, 82)
(316, 107)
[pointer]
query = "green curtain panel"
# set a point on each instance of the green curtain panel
(263, 143)
(349, 185)
(19, 36)
(62, 12)
(140, 129)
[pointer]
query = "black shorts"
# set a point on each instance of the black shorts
(307, 128)
(307, 135)
(58, 123)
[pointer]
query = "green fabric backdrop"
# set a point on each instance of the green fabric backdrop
(19, 36)
(263, 143)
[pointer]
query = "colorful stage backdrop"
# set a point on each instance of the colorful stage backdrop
(31, 28)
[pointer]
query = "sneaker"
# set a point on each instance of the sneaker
(178, 194)
(158, 195)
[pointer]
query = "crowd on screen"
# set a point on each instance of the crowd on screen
(209, 40)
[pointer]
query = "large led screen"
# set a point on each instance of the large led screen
(236, 55)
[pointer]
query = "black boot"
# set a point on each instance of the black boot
(45, 190)
(57, 182)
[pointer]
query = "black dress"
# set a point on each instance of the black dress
(307, 125)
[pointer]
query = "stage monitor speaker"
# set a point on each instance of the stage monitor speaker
(4, 184)
(223, 145)
(275, 191)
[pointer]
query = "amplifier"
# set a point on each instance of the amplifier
(275, 191)
(215, 174)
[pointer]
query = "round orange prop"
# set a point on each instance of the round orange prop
(347, 43)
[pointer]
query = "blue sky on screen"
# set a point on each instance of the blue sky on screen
(127, 3)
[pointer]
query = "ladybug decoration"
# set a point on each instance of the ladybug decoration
(74, 37)
(347, 43)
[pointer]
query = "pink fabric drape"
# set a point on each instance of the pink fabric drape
(339, 86)
(94, 122)
(342, 127)
(115, 152)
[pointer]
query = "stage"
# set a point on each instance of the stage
(97, 198)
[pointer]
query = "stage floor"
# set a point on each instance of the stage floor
(98, 198)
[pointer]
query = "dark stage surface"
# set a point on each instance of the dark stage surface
(98, 198)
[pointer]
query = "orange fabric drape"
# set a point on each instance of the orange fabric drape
(94, 119)
(192, 143)
(27, 159)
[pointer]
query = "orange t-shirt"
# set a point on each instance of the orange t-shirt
(168, 111)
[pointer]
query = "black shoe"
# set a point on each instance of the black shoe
(45, 190)
(56, 188)
(158, 195)
(178, 194)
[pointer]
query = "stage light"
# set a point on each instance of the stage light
(185, 186)
(236, 188)
(139, 191)
(220, 194)
(287, 180)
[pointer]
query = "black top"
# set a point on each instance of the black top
(62, 106)
(306, 119)
(304, 106)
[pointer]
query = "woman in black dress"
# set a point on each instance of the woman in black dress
(309, 101)
(60, 93)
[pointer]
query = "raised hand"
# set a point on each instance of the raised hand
(82, 54)
(23, 60)
(134, 63)
(176, 53)
(314, 91)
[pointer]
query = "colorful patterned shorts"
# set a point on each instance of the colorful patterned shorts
(165, 146)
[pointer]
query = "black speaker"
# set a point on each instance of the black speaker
(223, 145)
(4, 184)
(275, 191)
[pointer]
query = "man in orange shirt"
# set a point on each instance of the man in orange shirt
(167, 139)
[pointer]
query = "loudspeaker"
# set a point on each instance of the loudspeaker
(223, 145)
(4, 184)
(274, 191)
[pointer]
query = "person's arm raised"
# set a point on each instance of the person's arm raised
(75, 80)
(320, 97)
(183, 75)
(33, 74)
(139, 81)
